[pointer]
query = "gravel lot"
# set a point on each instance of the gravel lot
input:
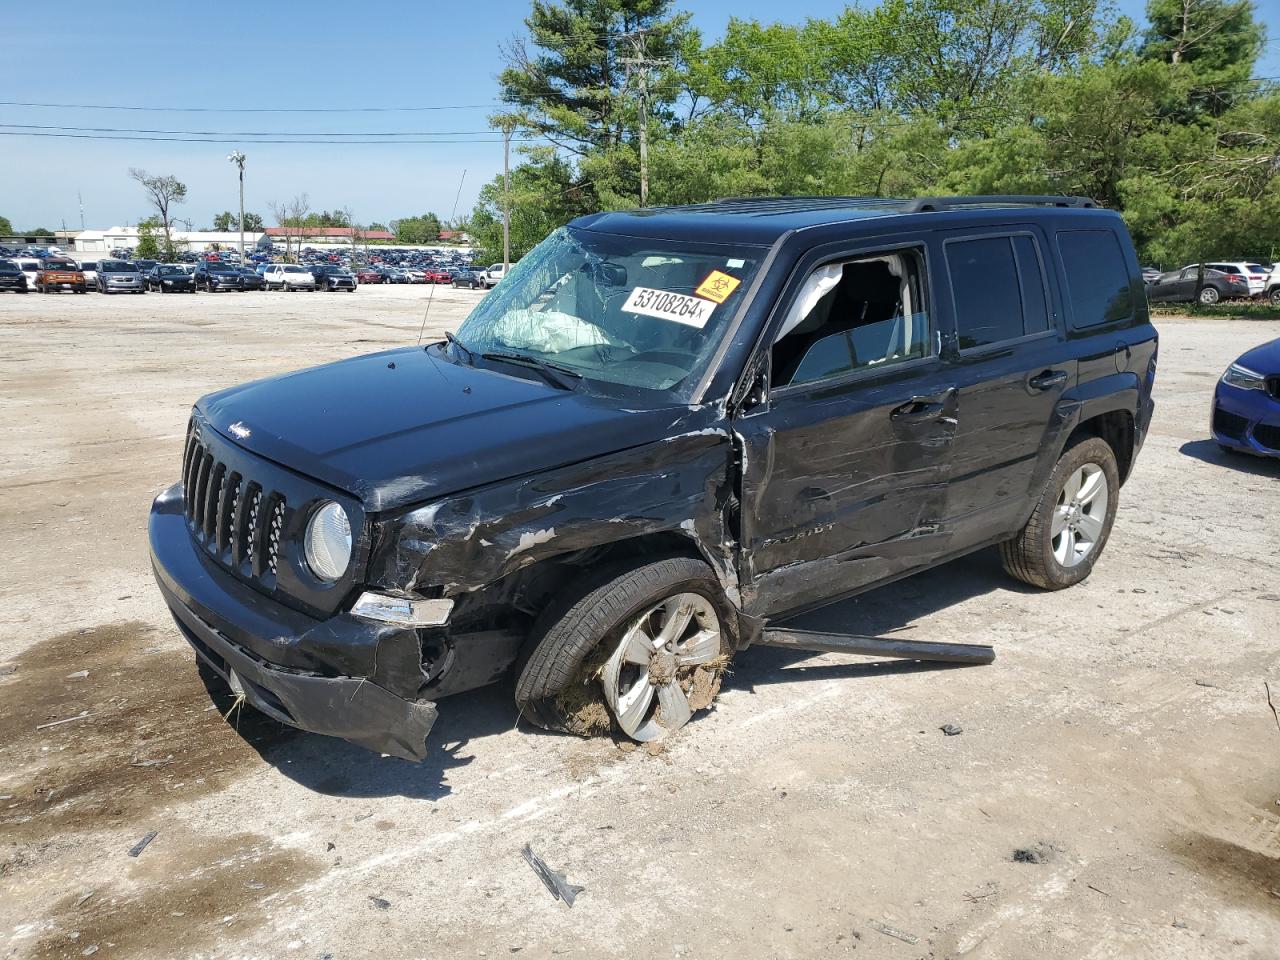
(1122, 737)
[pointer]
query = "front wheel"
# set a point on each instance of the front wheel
(1274, 296)
(638, 650)
(1070, 525)
(1209, 295)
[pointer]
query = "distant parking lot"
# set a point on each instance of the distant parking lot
(1122, 739)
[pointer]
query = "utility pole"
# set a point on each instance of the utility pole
(642, 64)
(506, 195)
(238, 159)
(80, 198)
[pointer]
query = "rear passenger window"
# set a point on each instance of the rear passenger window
(1097, 278)
(998, 289)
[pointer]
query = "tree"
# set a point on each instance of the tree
(1217, 41)
(163, 191)
(147, 248)
(6, 228)
(422, 229)
(376, 226)
(228, 222)
(292, 216)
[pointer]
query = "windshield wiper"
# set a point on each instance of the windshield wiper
(553, 373)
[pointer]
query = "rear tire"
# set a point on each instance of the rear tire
(1208, 295)
(1064, 537)
(561, 676)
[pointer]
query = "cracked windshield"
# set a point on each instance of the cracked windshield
(636, 312)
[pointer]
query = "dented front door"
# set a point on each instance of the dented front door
(843, 483)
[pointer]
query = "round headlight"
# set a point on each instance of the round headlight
(328, 541)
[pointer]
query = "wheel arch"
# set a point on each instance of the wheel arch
(1116, 427)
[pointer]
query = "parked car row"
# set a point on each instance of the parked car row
(1211, 282)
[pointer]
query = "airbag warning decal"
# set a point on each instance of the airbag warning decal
(718, 286)
(691, 311)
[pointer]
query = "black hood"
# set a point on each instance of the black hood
(405, 426)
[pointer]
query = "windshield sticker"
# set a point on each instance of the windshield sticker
(664, 305)
(735, 264)
(718, 286)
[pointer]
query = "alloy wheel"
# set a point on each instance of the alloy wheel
(644, 677)
(1080, 515)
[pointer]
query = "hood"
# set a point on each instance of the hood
(1264, 359)
(404, 426)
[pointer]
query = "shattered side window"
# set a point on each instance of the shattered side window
(853, 315)
(631, 311)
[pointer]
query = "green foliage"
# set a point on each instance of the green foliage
(6, 228)
(907, 97)
(421, 229)
(38, 232)
(381, 227)
(148, 247)
(229, 222)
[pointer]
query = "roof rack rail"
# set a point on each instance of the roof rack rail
(936, 204)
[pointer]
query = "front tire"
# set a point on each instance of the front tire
(1070, 525)
(636, 650)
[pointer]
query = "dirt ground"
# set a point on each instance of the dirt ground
(1114, 792)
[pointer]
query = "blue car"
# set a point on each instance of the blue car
(1246, 405)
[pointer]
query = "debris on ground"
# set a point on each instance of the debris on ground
(556, 883)
(162, 761)
(78, 675)
(894, 932)
(380, 903)
(951, 729)
(7, 669)
(1270, 704)
(985, 892)
(83, 898)
(1040, 853)
(137, 848)
(655, 748)
(90, 950)
(57, 723)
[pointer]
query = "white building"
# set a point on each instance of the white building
(197, 241)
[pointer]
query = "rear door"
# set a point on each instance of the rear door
(1009, 363)
(845, 461)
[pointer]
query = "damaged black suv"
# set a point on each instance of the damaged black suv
(663, 431)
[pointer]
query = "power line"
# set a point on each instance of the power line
(108, 106)
(252, 133)
(385, 143)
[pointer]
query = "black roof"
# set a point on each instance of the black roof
(761, 220)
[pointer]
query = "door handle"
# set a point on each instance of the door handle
(917, 410)
(1048, 380)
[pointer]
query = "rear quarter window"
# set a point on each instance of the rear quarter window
(1097, 277)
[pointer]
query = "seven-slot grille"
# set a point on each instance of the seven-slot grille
(232, 516)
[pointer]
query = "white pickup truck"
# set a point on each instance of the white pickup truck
(489, 278)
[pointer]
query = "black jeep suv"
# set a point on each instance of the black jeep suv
(663, 431)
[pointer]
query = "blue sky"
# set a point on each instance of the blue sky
(250, 54)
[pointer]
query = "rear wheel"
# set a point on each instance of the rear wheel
(1274, 296)
(1070, 525)
(637, 650)
(1209, 295)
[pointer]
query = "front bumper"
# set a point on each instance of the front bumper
(230, 626)
(1247, 420)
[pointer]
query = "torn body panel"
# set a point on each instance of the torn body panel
(475, 541)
